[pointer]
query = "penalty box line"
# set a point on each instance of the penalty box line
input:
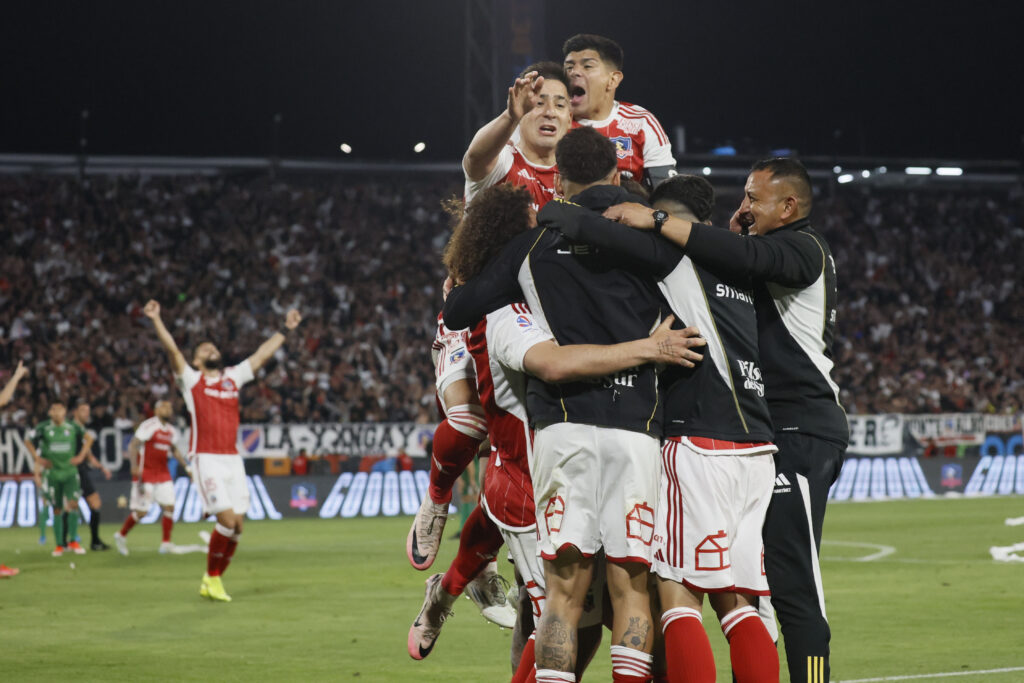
(945, 674)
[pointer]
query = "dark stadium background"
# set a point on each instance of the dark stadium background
(906, 78)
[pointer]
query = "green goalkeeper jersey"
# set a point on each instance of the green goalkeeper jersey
(58, 444)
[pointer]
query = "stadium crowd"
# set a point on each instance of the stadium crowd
(929, 292)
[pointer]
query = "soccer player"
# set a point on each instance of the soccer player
(793, 279)
(80, 416)
(717, 469)
(538, 109)
(6, 394)
(52, 446)
(596, 442)
(151, 480)
(506, 345)
(594, 67)
(211, 396)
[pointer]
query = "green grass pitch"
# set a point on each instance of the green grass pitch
(333, 600)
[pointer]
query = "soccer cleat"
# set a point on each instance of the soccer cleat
(424, 538)
(204, 588)
(166, 547)
(489, 590)
(99, 545)
(58, 551)
(121, 543)
(214, 589)
(76, 547)
(42, 538)
(7, 572)
(435, 611)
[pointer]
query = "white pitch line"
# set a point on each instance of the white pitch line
(880, 550)
(948, 674)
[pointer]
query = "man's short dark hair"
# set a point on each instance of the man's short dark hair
(610, 51)
(80, 401)
(791, 170)
(692, 191)
(550, 71)
(584, 156)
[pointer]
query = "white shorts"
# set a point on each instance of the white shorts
(522, 546)
(143, 496)
(710, 514)
(595, 487)
(452, 362)
(221, 482)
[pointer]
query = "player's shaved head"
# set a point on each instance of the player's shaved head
(794, 175)
(163, 409)
(691, 193)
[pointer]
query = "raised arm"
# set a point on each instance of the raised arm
(8, 390)
(555, 364)
(486, 146)
(152, 311)
(267, 349)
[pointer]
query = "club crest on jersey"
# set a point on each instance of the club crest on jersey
(228, 384)
(623, 147)
(523, 322)
(457, 355)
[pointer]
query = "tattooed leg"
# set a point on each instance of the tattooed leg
(556, 643)
(628, 588)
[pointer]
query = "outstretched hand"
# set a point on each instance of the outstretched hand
(522, 94)
(292, 319)
(20, 371)
(152, 309)
(674, 346)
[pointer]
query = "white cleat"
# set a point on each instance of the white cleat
(424, 538)
(489, 590)
(121, 543)
(166, 547)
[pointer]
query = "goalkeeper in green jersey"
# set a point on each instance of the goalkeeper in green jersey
(52, 445)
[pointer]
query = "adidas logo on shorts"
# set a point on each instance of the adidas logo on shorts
(782, 484)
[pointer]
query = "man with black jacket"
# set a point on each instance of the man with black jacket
(595, 470)
(793, 278)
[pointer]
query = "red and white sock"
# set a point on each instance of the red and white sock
(525, 670)
(479, 542)
(552, 676)
(218, 548)
(229, 551)
(630, 666)
(687, 648)
(128, 524)
(456, 441)
(167, 523)
(754, 657)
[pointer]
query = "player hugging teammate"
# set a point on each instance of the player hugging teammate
(608, 511)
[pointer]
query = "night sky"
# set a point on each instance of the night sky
(892, 78)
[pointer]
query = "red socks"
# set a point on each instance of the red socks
(223, 542)
(478, 544)
(128, 524)
(630, 666)
(525, 671)
(456, 441)
(755, 659)
(167, 523)
(687, 647)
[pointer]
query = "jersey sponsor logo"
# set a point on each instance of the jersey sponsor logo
(524, 322)
(623, 146)
(217, 393)
(640, 523)
(621, 379)
(726, 292)
(712, 554)
(629, 126)
(751, 376)
(576, 249)
(553, 514)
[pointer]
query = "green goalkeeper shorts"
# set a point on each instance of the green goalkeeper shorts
(58, 488)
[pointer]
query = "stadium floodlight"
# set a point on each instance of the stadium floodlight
(706, 170)
(881, 169)
(346, 148)
(419, 147)
(917, 170)
(837, 169)
(949, 170)
(845, 178)
(865, 173)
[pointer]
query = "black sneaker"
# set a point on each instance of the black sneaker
(99, 545)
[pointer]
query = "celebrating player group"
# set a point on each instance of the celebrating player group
(652, 394)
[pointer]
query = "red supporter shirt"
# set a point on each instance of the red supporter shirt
(512, 167)
(213, 405)
(640, 141)
(498, 344)
(156, 438)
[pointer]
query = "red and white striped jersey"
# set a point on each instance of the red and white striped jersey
(640, 141)
(213, 405)
(513, 167)
(498, 345)
(157, 439)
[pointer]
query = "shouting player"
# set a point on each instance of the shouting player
(594, 67)
(211, 395)
(151, 480)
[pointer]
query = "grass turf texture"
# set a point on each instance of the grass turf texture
(333, 600)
